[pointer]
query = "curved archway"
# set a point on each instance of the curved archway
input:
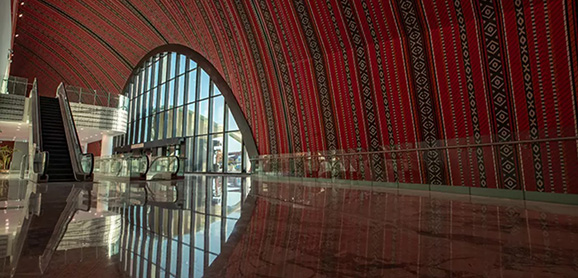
(178, 96)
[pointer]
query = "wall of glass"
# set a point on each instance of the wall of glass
(171, 97)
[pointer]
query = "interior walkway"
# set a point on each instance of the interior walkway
(229, 226)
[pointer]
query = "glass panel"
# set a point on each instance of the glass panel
(233, 195)
(192, 86)
(142, 81)
(179, 121)
(215, 91)
(161, 131)
(199, 190)
(164, 66)
(231, 123)
(146, 129)
(162, 93)
(171, 94)
(153, 127)
(203, 124)
(137, 131)
(215, 195)
(138, 108)
(146, 103)
(173, 65)
(154, 104)
(201, 154)
(216, 153)
(218, 121)
(204, 85)
(192, 64)
(146, 80)
(234, 152)
(155, 79)
(182, 63)
(170, 125)
(190, 119)
(189, 148)
(181, 90)
(215, 235)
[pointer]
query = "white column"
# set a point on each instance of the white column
(106, 145)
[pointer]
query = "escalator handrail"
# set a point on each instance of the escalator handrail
(36, 146)
(72, 137)
(37, 135)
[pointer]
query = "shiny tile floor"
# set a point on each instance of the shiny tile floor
(216, 226)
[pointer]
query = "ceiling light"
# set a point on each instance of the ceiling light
(20, 15)
(22, 4)
(16, 36)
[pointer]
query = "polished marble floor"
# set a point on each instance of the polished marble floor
(217, 226)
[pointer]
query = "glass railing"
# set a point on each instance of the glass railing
(127, 166)
(109, 166)
(542, 165)
(165, 168)
(82, 163)
(95, 97)
(39, 158)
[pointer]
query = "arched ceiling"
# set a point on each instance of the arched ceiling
(341, 74)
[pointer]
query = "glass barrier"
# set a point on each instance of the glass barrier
(122, 166)
(95, 97)
(165, 168)
(542, 165)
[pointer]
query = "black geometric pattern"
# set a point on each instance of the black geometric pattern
(382, 84)
(347, 70)
(367, 92)
(287, 88)
(499, 96)
(529, 88)
(295, 74)
(262, 77)
(283, 69)
(320, 74)
(434, 164)
(214, 37)
(471, 92)
(237, 57)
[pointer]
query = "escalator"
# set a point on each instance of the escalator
(57, 155)
(59, 166)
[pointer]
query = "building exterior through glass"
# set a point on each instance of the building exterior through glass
(171, 97)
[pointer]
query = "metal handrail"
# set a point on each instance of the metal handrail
(353, 153)
(72, 138)
(36, 145)
(35, 106)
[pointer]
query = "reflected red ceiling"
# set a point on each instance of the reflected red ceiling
(343, 74)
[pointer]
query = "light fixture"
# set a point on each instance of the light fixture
(16, 36)
(20, 15)
(22, 4)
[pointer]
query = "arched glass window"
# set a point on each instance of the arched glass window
(171, 97)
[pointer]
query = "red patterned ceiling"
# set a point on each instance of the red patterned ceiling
(325, 75)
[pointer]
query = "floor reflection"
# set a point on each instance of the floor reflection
(217, 226)
(177, 229)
